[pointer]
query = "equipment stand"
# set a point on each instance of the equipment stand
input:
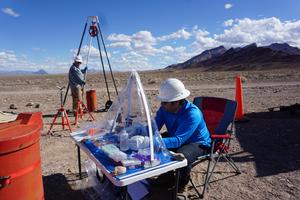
(62, 113)
(80, 110)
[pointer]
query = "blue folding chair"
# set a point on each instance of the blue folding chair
(219, 116)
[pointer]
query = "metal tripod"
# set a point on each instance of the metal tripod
(94, 31)
(61, 112)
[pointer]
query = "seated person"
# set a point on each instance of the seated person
(186, 129)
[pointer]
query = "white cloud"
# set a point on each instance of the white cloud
(180, 49)
(119, 38)
(92, 51)
(132, 60)
(228, 22)
(9, 60)
(144, 36)
(120, 44)
(143, 50)
(180, 34)
(170, 49)
(6, 56)
(262, 31)
(145, 43)
(202, 40)
(228, 6)
(10, 12)
(146, 49)
(93, 61)
(167, 49)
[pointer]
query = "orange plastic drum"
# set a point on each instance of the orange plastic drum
(91, 100)
(20, 160)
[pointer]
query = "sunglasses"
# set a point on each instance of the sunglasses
(165, 103)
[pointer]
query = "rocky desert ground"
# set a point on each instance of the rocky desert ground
(266, 149)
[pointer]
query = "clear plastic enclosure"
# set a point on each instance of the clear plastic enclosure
(128, 134)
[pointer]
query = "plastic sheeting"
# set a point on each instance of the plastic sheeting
(128, 135)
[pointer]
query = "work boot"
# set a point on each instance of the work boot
(182, 183)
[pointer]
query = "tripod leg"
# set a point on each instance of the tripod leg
(85, 108)
(112, 76)
(68, 121)
(53, 121)
(63, 120)
(103, 70)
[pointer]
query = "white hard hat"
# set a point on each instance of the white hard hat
(78, 59)
(171, 90)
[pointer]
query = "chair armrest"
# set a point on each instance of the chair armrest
(220, 136)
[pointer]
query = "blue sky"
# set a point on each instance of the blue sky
(139, 34)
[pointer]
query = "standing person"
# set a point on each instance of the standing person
(76, 81)
(186, 129)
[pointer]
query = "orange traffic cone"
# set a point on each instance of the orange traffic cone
(239, 114)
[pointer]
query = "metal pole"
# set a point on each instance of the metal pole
(65, 98)
(103, 67)
(107, 57)
(79, 161)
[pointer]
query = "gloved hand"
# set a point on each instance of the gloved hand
(178, 156)
(84, 70)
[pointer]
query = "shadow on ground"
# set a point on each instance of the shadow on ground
(56, 187)
(273, 140)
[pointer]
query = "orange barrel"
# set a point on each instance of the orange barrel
(91, 100)
(20, 160)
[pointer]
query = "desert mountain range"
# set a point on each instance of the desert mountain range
(250, 57)
(22, 72)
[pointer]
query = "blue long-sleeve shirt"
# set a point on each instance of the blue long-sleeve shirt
(76, 77)
(185, 126)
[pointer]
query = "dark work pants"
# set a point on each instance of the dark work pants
(191, 152)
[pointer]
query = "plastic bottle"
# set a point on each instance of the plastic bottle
(123, 140)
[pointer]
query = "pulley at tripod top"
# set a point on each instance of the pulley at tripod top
(93, 31)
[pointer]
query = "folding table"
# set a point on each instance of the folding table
(128, 178)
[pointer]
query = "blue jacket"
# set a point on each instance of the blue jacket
(76, 77)
(185, 126)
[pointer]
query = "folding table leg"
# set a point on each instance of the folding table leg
(176, 184)
(125, 193)
(79, 161)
